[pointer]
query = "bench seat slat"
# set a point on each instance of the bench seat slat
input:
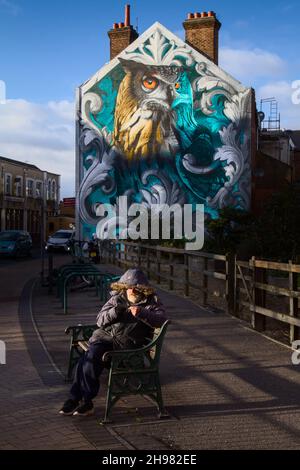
(83, 345)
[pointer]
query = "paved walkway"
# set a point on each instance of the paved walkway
(225, 386)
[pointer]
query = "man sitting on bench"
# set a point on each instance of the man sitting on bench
(126, 321)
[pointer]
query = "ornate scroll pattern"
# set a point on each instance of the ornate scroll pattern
(100, 158)
(235, 152)
(210, 124)
(160, 51)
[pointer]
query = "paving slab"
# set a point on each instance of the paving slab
(225, 387)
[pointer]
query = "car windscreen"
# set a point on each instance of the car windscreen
(62, 235)
(9, 236)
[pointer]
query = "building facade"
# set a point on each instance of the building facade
(295, 154)
(163, 123)
(28, 196)
(64, 219)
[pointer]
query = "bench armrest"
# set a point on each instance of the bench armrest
(144, 351)
(80, 332)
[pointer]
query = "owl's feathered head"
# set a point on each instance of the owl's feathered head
(143, 115)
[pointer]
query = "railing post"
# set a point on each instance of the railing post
(293, 286)
(115, 253)
(148, 262)
(158, 260)
(186, 275)
(258, 297)
(230, 283)
(126, 251)
(119, 255)
(204, 282)
(50, 271)
(171, 283)
(236, 289)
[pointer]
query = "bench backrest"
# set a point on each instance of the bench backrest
(155, 346)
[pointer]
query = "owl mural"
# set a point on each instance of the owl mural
(162, 124)
(144, 118)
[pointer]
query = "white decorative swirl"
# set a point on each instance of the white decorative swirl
(165, 192)
(160, 51)
(188, 163)
(237, 168)
(237, 106)
(211, 86)
(91, 103)
(97, 175)
(234, 152)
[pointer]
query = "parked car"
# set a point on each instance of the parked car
(60, 240)
(15, 243)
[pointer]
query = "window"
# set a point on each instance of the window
(29, 188)
(53, 192)
(39, 189)
(8, 180)
(19, 186)
(49, 190)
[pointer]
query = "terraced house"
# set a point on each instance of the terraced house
(28, 196)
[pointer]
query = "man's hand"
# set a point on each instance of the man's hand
(135, 310)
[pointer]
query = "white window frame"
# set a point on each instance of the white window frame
(10, 185)
(49, 187)
(53, 193)
(33, 187)
(19, 185)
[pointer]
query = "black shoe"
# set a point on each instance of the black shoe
(69, 407)
(87, 409)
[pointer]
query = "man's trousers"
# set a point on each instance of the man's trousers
(88, 370)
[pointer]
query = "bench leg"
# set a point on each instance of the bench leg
(162, 413)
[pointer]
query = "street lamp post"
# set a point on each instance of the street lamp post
(42, 241)
(42, 234)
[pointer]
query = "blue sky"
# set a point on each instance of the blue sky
(48, 48)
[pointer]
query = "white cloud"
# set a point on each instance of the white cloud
(282, 91)
(12, 7)
(41, 134)
(246, 64)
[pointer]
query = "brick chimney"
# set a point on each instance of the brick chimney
(121, 35)
(202, 33)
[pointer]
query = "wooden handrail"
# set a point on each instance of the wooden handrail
(189, 270)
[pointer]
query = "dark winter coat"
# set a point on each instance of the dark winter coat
(116, 323)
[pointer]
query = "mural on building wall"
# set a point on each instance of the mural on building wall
(163, 125)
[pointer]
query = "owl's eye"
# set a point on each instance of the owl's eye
(177, 85)
(150, 83)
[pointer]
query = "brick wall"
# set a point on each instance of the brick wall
(202, 33)
(120, 38)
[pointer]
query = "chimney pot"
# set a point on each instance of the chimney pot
(127, 15)
(122, 35)
(203, 35)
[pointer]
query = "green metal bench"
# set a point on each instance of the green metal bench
(80, 334)
(79, 269)
(101, 281)
(131, 371)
